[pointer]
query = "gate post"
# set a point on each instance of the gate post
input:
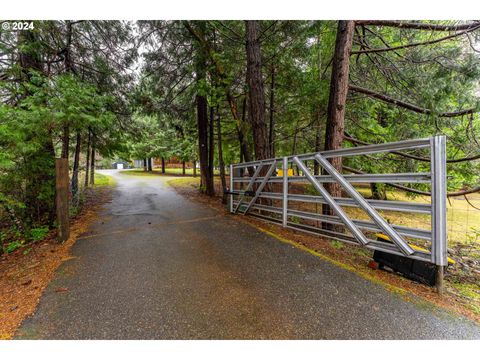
(61, 198)
(285, 191)
(439, 207)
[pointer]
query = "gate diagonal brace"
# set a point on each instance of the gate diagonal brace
(250, 184)
(374, 215)
(359, 235)
(260, 188)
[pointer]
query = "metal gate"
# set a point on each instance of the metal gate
(266, 189)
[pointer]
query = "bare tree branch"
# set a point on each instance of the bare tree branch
(409, 106)
(415, 191)
(365, 51)
(419, 26)
(419, 158)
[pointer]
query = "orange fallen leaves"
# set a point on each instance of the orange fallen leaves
(23, 277)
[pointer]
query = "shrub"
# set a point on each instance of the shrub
(38, 234)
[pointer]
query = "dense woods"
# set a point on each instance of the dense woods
(220, 92)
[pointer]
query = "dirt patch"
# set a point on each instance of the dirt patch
(25, 273)
(458, 298)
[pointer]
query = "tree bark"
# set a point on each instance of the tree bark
(220, 158)
(88, 159)
(256, 102)
(294, 147)
(202, 114)
(337, 100)
(271, 128)
(318, 142)
(65, 141)
(183, 167)
(149, 163)
(194, 168)
(202, 124)
(163, 165)
(318, 111)
(145, 167)
(68, 69)
(76, 167)
(211, 143)
(92, 162)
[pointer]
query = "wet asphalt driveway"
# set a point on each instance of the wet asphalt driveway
(157, 266)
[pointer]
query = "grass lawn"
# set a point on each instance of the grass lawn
(463, 221)
(184, 182)
(168, 171)
(104, 180)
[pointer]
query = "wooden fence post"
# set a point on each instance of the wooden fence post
(61, 198)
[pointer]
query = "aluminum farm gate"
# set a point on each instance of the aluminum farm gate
(267, 189)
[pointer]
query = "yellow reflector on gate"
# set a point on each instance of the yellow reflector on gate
(289, 173)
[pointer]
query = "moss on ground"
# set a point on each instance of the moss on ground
(471, 292)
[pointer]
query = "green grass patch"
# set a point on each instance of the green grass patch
(337, 244)
(104, 180)
(168, 171)
(138, 173)
(185, 182)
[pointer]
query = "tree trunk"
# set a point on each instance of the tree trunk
(65, 141)
(202, 121)
(337, 100)
(76, 167)
(318, 111)
(163, 165)
(294, 149)
(194, 168)
(207, 51)
(88, 159)
(378, 192)
(68, 69)
(245, 154)
(183, 168)
(150, 168)
(271, 128)
(220, 158)
(145, 166)
(256, 102)
(211, 143)
(318, 142)
(92, 162)
(202, 124)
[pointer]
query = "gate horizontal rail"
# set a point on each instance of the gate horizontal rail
(269, 197)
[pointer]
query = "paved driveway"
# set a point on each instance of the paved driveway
(157, 266)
